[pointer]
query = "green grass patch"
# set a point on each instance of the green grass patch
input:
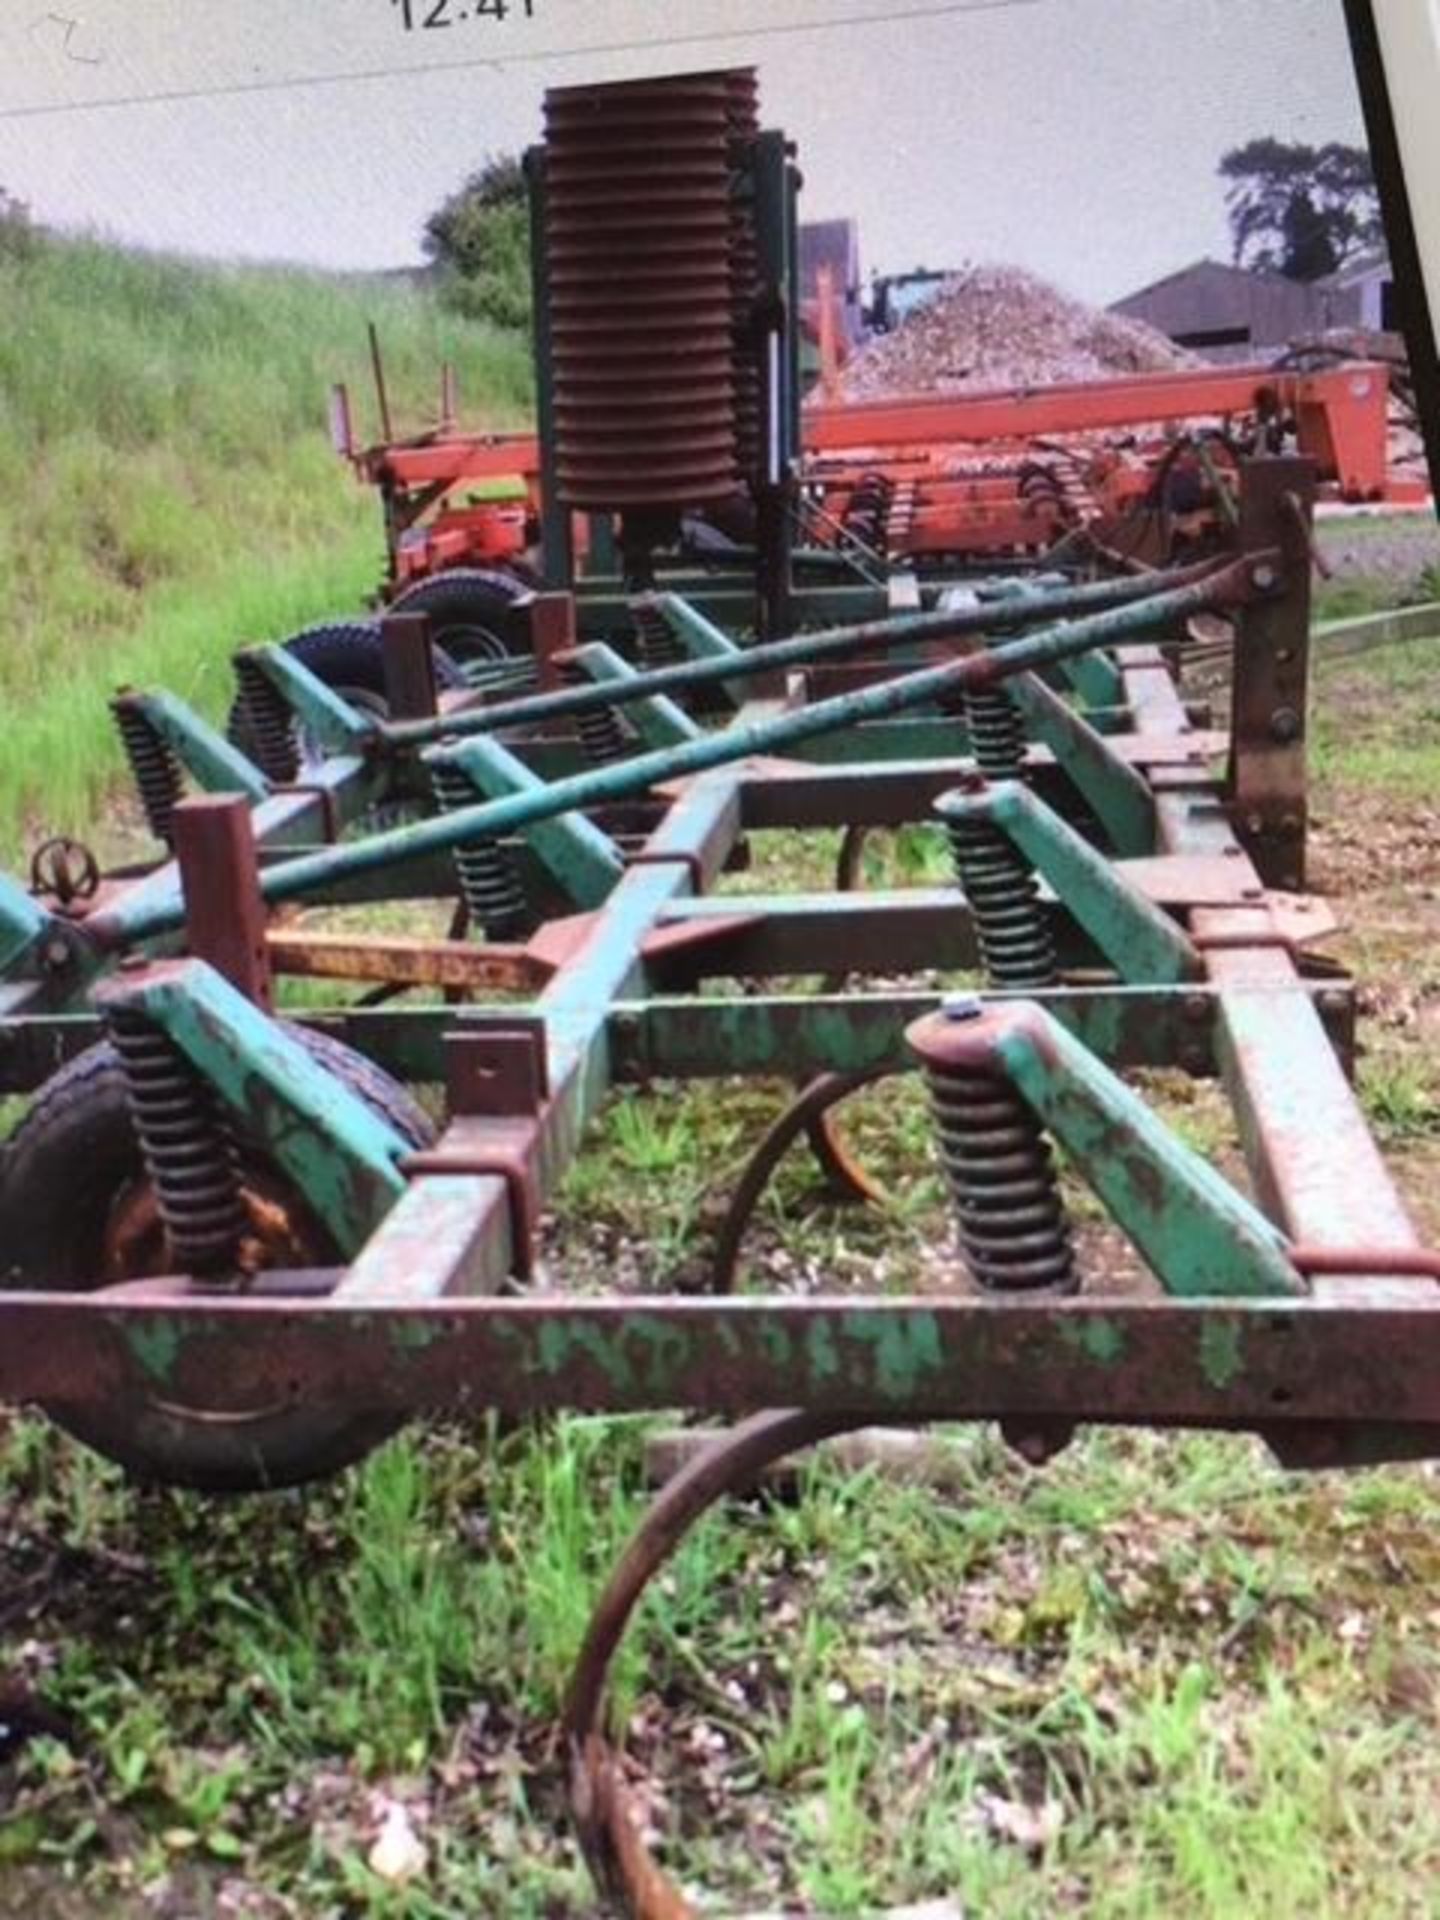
(168, 487)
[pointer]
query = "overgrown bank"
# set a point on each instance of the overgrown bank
(167, 487)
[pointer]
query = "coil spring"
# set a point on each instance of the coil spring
(868, 510)
(274, 745)
(155, 769)
(489, 882)
(1000, 888)
(655, 639)
(1001, 1176)
(601, 735)
(997, 732)
(188, 1150)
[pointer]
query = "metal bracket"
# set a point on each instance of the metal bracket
(1144, 944)
(332, 1144)
(1201, 1237)
(338, 726)
(584, 862)
(206, 755)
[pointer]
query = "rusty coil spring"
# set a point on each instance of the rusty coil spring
(600, 731)
(1000, 887)
(1001, 1176)
(273, 742)
(656, 641)
(489, 880)
(997, 732)
(153, 766)
(189, 1152)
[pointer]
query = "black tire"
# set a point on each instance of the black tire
(63, 1171)
(473, 612)
(347, 656)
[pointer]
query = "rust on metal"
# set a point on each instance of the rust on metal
(225, 917)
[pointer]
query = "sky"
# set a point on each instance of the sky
(1075, 137)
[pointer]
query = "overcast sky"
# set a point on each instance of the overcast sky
(1076, 137)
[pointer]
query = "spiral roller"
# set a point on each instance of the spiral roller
(489, 882)
(154, 767)
(269, 723)
(1000, 887)
(998, 1164)
(188, 1149)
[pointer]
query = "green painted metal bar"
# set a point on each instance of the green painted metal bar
(343, 1157)
(337, 725)
(1142, 943)
(584, 861)
(206, 755)
(657, 719)
(687, 1037)
(1110, 786)
(1166, 1363)
(895, 631)
(24, 924)
(293, 879)
(700, 638)
(1201, 1237)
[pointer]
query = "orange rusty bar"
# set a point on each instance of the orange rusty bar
(403, 962)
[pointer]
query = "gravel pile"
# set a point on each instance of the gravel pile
(1002, 327)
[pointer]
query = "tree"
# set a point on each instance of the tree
(1297, 210)
(480, 240)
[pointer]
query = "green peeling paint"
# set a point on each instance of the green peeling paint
(1099, 1340)
(906, 1349)
(1221, 1358)
(156, 1345)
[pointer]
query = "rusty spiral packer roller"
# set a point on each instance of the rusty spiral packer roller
(647, 254)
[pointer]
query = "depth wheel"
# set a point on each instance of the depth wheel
(78, 1212)
(474, 617)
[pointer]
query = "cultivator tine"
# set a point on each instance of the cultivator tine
(606, 1820)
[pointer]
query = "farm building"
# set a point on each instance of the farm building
(1227, 312)
(1363, 291)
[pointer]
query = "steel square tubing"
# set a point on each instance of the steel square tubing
(1345, 1354)
(1311, 1154)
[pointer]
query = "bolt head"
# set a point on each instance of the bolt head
(962, 1006)
(1265, 577)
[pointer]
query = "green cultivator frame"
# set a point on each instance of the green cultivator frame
(239, 1253)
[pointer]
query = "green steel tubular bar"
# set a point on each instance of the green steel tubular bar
(832, 643)
(292, 879)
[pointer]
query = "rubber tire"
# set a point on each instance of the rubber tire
(466, 602)
(347, 656)
(60, 1172)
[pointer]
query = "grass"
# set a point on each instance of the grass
(167, 487)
